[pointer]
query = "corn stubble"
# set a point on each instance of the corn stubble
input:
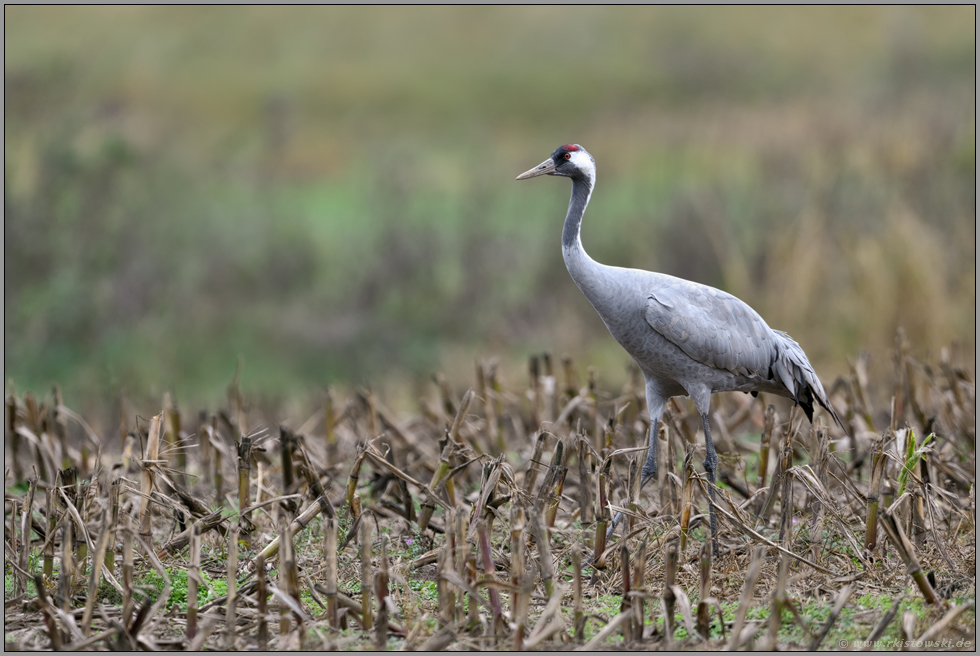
(480, 523)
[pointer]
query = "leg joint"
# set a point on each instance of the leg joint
(649, 469)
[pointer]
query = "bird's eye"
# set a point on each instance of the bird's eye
(567, 156)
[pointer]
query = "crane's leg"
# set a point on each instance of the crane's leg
(655, 405)
(710, 465)
(649, 471)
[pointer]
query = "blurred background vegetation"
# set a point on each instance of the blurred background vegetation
(329, 191)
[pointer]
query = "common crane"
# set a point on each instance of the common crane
(688, 339)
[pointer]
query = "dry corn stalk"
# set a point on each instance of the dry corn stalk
(669, 597)
(442, 471)
(355, 472)
(874, 493)
(245, 525)
(905, 551)
(150, 456)
(517, 568)
(298, 524)
(65, 577)
(705, 599)
(639, 588)
(219, 483)
(486, 553)
(633, 492)
(51, 514)
(262, 596)
(193, 575)
(232, 585)
(367, 577)
(532, 466)
(445, 601)
(381, 591)
(545, 562)
(98, 558)
(555, 486)
(686, 493)
(127, 572)
(625, 605)
(579, 613)
(602, 518)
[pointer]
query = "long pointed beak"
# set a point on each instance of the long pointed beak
(544, 168)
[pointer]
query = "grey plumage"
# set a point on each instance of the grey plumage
(688, 339)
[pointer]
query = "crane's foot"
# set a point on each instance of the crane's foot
(648, 474)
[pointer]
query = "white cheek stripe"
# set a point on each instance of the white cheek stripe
(582, 161)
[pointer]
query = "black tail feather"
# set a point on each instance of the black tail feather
(796, 373)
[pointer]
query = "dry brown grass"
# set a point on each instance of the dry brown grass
(461, 526)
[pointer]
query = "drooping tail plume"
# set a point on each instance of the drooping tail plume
(792, 368)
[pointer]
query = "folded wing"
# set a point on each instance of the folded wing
(712, 327)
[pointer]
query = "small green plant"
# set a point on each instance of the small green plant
(308, 601)
(414, 547)
(152, 585)
(913, 452)
(425, 589)
(218, 585)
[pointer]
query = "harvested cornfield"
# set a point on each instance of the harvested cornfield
(479, 522)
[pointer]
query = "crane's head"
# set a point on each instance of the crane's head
(571, 161)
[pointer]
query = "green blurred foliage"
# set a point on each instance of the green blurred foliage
(329, 191)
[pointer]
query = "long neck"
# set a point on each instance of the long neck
(606, 288)
(571, 235)
(580, 266)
